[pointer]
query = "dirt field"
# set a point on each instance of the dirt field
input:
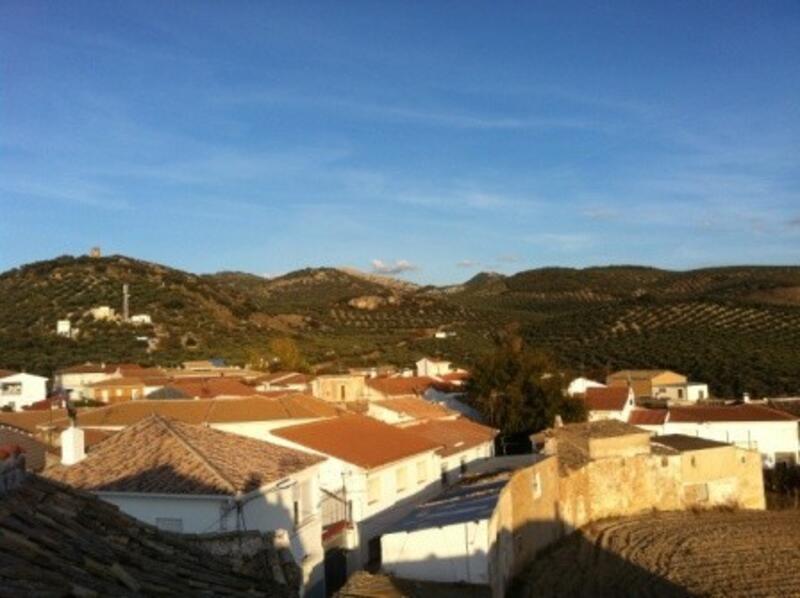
(749, 554)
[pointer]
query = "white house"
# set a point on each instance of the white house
(481, 531)
(773, 433)
(190, 479)
(75, 380)
(64, 328)
(141, 319)
(690, 392)
(579, 385)
(407, 410)
(433, 367)
(377, 472)
(20, 390)
(612, 402)
(462, 444)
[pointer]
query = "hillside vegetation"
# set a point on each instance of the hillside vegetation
(737, 328)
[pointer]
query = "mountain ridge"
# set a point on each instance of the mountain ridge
(737, 326)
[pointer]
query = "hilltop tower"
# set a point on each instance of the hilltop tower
(95, 252)
(125, 302)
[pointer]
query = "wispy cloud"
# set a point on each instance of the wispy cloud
(392, 268)
(467, 264)
(451, 117)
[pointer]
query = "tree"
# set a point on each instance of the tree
(519, 390)
(287, 354)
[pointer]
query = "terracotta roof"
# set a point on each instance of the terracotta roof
(211, 411)
(88, 368)
(166, 456)
(454, 435)
(413, 385)
(123, 381)
(208, 388)
(357, 439)
(640, 374)
(612, 398)
(32, 420)
(56, 541)
(647, 417)
(455, 376)
(7, 373)
(735, 413)
(416, 408)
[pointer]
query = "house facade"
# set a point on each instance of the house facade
(19, 390)
(190, 479)
(613, 402)
(337, 388)
(772, 433)
(645, 382)
(377, 472)
(433, 368)
(685, 392)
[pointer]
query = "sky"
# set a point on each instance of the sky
(430, 140)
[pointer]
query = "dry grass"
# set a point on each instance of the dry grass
(714, 553)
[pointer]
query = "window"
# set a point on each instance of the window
(701, 394)
(170, 524)
(422, 472)
(400, 479)
(444, 474)
(373, 490)
(680, 393)
(343, 392)
(694, 462)
(296, 512)
(11, 388)
(537, 485)
(462, 467)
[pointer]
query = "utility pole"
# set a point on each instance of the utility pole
(125, 303)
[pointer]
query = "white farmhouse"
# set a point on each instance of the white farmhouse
(20, 390)
(773, 433)
(190, 479)
(64, 328)
(377, 472)
(141, 319)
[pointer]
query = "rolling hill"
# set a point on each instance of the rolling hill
(737, 328)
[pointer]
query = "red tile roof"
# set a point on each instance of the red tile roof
(121, 382)
(606, 399)
(734, 413)
(165, 456)
(208, 388)
(88, 368)
(416, 408)
(31, 420)
(454, 435)
(393, 387)
(211, 411)
(647, 417)
(359, 440)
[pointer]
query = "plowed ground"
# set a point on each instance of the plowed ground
(747, 554)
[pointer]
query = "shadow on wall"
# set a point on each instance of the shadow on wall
(143, 486)
(578, 566)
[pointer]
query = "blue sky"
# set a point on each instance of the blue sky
(431, 139)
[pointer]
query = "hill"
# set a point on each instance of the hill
(737, 328)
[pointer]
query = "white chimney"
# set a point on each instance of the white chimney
(72, 446)
(558, 422)
(746, 397)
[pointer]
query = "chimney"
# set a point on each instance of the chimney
(558, 422)
(72, 446)
(746, 397)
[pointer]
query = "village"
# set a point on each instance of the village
(383, 471)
